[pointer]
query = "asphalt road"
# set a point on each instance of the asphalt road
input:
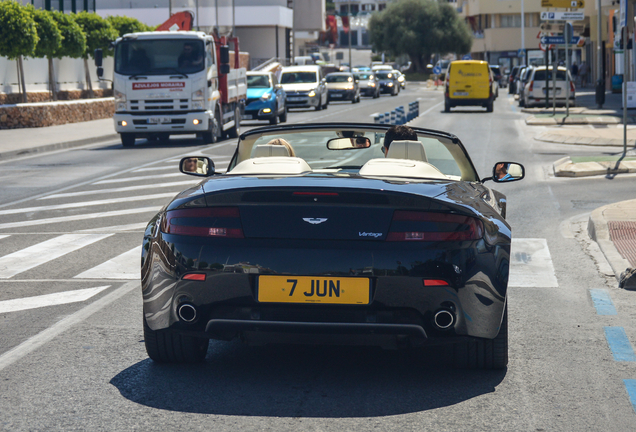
(71, 348)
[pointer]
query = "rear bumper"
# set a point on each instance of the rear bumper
(453, 102)
(302, 101)
(341, 95)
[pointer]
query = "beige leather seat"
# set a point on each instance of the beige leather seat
(268, 150)
(515, 171)
(411, 150)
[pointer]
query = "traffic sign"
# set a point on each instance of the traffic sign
(562, 16)
(437, 70)
(580, 4)
(559, 40)
(521, 53)
(467, 57)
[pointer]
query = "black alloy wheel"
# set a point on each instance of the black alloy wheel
(127, 139)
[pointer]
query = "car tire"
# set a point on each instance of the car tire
(274, 120)
(283, 116)
(483, 353)
(447, 106)
(489, 106)
(326, 104)
(212, 134)
(235, 130)
(393, 92)
(522, 103)
(319, 106)
(127, 139)
(166, 347)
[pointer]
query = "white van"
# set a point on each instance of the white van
(305, 87)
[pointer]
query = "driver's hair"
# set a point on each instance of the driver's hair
(399, 133)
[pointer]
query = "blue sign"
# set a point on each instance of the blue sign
(559, 40)
(467, 57)
(437, 70)
(521, 53)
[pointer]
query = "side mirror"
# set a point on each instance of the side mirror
(99, 55)
(199, 166)
(100, 72)
(224, 54)
(504, 172)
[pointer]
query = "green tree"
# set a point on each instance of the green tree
(49, 43)
(419, 28)
(74, 39)
(99, 34)
(18, 35)
(124, 24)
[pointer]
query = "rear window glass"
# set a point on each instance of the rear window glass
(468, 70)
(540, 75)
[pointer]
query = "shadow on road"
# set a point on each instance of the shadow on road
(303, 381)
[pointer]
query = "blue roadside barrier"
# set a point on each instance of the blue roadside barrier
(399, 116)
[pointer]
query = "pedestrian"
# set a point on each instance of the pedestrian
(583, 71)
(574, 70)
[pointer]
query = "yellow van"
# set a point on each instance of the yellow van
(468, 82)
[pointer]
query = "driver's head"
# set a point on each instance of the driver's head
(188, 48)
(190, 165)
(398, 133)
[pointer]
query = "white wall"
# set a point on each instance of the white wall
(69, 74)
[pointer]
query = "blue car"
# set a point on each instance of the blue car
(265, 98)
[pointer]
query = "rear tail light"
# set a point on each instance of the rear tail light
(432, 227)
(531, 86)
(204, 222)
(434, 282)
(196, 276)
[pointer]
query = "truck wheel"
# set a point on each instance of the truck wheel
(274, 119)
(165, 347)
(127, 139)
(283, 116)
(212, 134)
(489, 106)
(235, 130)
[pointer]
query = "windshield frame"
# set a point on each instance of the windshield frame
(450, 141)
(127, 42)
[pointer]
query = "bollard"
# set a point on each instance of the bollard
(387, 117)
(376, 118)
(393, 116)
(400, 117)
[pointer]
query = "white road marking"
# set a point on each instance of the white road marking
(124, 266)
(139, 178)
(121, 189)
(79, 217)
(155, 168)
(88, 203)
(531, 264)
(50, 299)
(4, 236)
(33, 256)
(118, 228)
(35, 342)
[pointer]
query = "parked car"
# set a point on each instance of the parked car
(368, 83)
(265, 98)
(524, 76)
(342, 86)
(496, 70)
(512, 79)
(535, 89)
(388, 82)
(469, 82)
(275, 249)
(305, 87)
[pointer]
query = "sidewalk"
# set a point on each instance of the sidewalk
(16, 143)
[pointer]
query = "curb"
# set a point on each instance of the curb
(576, 140)
(5, 156)
(598, 231)
(564, 167)
(587, 120)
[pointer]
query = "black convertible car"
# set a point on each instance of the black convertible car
(314, 236)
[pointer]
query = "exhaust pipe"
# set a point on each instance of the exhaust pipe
(187, 312)
(444, 319)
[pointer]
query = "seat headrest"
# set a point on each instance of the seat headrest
(268, 150)
(515, 171)
(412, 150)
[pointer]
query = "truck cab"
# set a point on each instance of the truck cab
(172, 83)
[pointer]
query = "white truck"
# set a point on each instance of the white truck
(173, 83)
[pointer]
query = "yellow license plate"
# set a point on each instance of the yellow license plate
(306, 289)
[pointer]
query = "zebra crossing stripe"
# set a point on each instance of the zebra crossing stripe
(50, 299)
(121, 189)
(79, 217)
(41, 253)
(4, 236)
(531, 264)
(138, 178)
(124, 266)
(117, 228)
(88, 203)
